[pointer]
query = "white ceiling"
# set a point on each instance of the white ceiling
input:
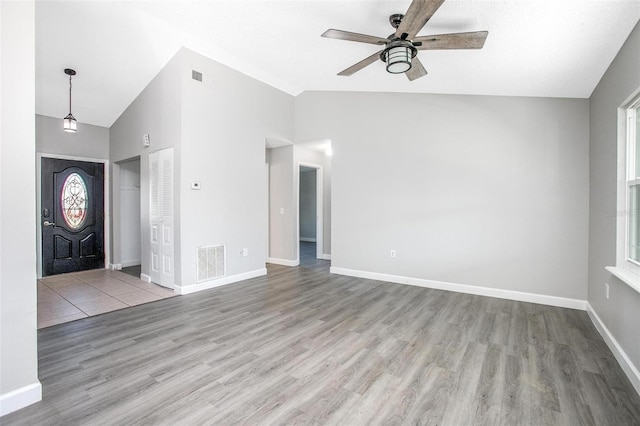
(555, 48)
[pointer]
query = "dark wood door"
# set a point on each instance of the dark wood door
(72, 216)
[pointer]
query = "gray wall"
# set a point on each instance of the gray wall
(621, 313)
(483, 191)
(88, 142)
(225, 121)
(18, 339)
(282, 210)
(308, 203)
(157, 111)
(217, 128)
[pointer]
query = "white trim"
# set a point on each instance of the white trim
(626, 276)
(542, 299)
(268, 216)
(107, 207)
(307, 239)
(627, 366)
(283, 262)
(20, 398)
(114, 266)
(220, 282)
(146, 278)
(326, 256)
(127, 263)
(319, 207)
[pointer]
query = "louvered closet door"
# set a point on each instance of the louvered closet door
(162, 228)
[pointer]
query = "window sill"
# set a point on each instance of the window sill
(626, 276)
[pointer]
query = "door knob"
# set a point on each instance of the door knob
(47, 223)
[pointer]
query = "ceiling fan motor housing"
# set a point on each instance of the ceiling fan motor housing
(396, 19)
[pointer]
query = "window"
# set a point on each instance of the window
(73, 199)
(628, 208)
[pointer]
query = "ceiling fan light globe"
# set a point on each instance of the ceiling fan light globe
(398, 59)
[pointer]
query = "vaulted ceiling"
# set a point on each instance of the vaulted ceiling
(551, 48)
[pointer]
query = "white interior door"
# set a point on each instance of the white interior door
(162, 228)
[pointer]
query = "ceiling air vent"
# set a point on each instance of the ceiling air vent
(196, 75)
(211, 262)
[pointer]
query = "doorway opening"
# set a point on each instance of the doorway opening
(310, 211)
(130, 234)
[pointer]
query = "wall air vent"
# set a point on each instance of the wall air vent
(211, 262)
(196, 75)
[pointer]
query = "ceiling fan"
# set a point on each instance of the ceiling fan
(401, 47)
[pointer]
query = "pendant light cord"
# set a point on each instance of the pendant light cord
(69, 94)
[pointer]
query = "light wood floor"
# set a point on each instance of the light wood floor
(303, 346)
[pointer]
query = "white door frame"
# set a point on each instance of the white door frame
(319, 209)
(268, 216)
(107, 208)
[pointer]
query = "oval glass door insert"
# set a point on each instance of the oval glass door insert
(74, 201)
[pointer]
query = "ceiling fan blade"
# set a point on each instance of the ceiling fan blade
(363, 63)
(417, 70)
(472, 40)
(417, 15)
(349, 36)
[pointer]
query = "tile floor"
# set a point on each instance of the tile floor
(68, 297)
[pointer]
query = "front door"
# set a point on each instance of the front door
(72, 216)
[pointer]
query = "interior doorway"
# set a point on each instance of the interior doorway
(130, 240)
(310, 209)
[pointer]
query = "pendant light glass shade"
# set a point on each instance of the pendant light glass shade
(69, 123)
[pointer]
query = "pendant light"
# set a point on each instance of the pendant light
(69, 123)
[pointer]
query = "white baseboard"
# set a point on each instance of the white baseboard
(20, 398)
(542, 299)
(127, 263)
(308, 239)
(326, 256)
(627, 366)
(146, 278)
(284, 262)
(219, 282)
(114, 266)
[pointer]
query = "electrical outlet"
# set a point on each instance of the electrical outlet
(606, 290)
(393, 254)
(245, 252)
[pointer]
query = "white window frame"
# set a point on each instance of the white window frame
(626, 269)
(631, 179)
